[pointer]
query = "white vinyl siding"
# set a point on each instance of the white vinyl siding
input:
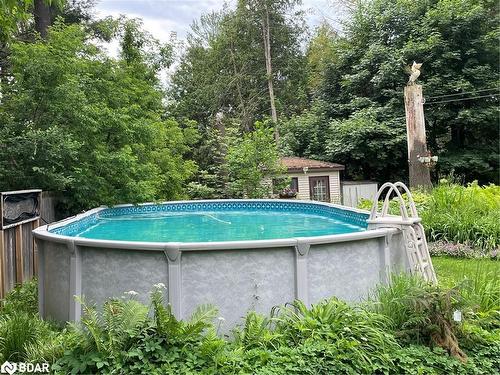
(303, 180)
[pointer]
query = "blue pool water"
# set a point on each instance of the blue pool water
(209, 223)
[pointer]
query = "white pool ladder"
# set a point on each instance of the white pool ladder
(409, 222)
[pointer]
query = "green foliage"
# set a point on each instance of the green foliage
(321, 52)
(252, 159)
(457, 42)
(223, 69)
(21, 298)
(17, 332)
(369, 145)
(20, 328)
(464, 214)
(420, 313)
(478, 282)
(467, 214)
(79, 122)
(125, 338)
(222, 84)
(359, 337)
(418, 359)
(330, 337)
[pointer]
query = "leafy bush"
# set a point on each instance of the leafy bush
(21, 298)
(469, 215)
(20, 328)
(251, 162)
(358, 336)
(89, 126)
(418, 359)
(19, 331)
(420, 313)
(125, 339)
(400, 333)
(466, 214)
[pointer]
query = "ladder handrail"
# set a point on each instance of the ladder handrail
(414, 239)
(393, 187)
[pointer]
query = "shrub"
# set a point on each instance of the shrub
(420, 313)
(19, 331)
(21, 298)
(469, 215)
(418, 359)
(125, 339)
(408, 330)
(357, 336)
(466, 214)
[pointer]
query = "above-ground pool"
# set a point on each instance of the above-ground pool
(216, 221)
(239, 255)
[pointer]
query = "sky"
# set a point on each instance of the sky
(162, 17)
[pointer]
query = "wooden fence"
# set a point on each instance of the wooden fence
(18, 253)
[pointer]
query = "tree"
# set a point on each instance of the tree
(262, 9)
(252, 162)
(222, 79)
(43, 17)
(224, 67)
(321, 52)
(457, 42)
(89, 126)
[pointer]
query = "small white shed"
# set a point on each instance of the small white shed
(354, 191)
(314, 179)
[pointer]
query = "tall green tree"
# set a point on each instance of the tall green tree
(91, 127)
(457, 41)
(321, 52)
(223, 79)
(224, 67)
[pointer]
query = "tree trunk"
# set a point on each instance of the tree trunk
(415, 128)
(42, 16)
(269, 69)
(245, 121)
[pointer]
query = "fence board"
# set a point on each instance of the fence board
(27, 251)
(48, 207)
(10, 258)
(18, 252)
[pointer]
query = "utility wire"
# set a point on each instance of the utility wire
(460, 99)
(463, 93)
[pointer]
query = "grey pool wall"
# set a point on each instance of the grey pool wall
(236, 276)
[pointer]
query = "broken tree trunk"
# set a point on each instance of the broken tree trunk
(417, 146)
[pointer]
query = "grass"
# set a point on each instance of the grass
(452, 270)
(478, 281)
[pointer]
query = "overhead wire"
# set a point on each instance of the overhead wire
(464, 93)
(462, 99)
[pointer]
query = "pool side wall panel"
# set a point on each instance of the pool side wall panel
(347, 270)
(235, 280)
(54, 285)
(113, 272)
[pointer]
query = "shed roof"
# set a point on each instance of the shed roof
(296, 164)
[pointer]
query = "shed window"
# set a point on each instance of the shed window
(294, 183)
